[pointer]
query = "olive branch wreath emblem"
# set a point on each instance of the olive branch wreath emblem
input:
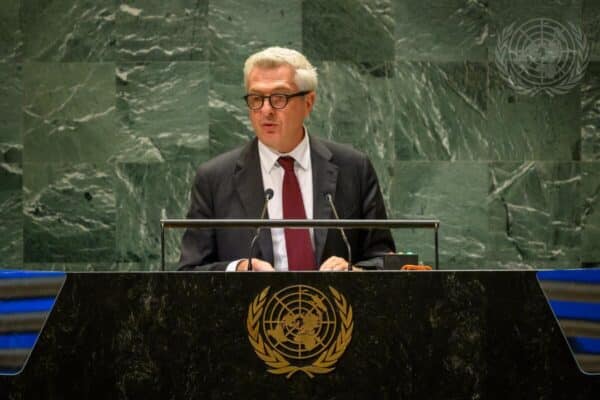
(278, 364)
(521, 85)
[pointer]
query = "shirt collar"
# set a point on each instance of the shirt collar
(301, 153)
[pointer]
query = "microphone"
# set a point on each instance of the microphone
(268, 196)
(329, 199)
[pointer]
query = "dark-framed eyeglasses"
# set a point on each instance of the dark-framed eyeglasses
(277, 100)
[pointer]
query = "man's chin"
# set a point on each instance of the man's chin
(270, 136)
(270, 132)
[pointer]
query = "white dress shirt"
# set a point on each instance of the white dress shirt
(272, 177)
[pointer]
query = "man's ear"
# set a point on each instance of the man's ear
(309, 100)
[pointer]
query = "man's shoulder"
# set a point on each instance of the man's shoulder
(223, 162)
(228, 158)
(342, 152)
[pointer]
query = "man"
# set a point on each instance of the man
(299, 168)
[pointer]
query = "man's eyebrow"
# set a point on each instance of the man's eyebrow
(277, 89)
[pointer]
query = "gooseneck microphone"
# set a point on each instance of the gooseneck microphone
(268, 196)
(329, 199)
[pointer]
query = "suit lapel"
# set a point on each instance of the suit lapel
(325, 175)
(249, 185)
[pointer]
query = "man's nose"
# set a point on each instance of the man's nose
(267, 108)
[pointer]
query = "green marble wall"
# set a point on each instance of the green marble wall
(107, 107)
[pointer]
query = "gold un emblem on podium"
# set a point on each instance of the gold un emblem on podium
(299, 328)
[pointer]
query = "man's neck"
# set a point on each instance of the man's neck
(290, 150)
(301, 153)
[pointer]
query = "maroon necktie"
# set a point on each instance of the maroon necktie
(300, 254)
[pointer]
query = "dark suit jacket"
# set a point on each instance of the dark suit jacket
(230, 186)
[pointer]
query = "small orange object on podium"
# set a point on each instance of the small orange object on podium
(411, 267)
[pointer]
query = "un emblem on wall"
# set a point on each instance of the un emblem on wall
(542, 56)
(299, 328)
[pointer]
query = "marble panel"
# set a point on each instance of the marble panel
(11, 35)
(11, 97)
(229, 126)
(342, 30)
(155, 30)
(69, 112)
(535, 215)
(415, 86)
(146, 193)
(515, 4)
(590, 109)
(508, 16)
(440, 111)
(69, 213)
(97, 266)
(68, 30)
(591, 27)
(11, 216)
(454, 193)
(447, 30)
(523, 127)
(162, 110)
(240, 28)
(354, 105)
(590, 218)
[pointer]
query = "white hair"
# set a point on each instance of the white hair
(272, 57)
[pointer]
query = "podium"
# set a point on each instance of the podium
(390, 335)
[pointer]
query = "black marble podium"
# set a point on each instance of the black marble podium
(417, 335)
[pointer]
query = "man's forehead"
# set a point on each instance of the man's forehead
(281, 77)
(266, 87)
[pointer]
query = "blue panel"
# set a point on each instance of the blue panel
(573, 275)
(576, 310)
(26, 305)
(583, 345)
(17, 340)
(15, 307)
(7, 371)
(8, 274)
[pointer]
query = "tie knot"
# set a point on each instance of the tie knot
(287, 163)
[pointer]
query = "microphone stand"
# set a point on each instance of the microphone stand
(344, 237)
(268, 196)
